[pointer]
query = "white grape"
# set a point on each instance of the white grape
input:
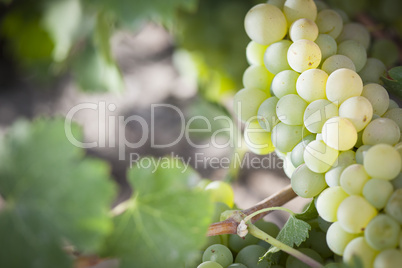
(303, 55)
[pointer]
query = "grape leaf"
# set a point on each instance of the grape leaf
(165, 222)
(52, 195)
(393, 83)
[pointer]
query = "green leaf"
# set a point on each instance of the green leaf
(165, 221)
(309, 213)
(393, 83)
(52, 195)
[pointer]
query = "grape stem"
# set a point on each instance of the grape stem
(229, 226)
(249, 217)
(255, 231)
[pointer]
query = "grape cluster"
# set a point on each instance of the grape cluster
(314, 96)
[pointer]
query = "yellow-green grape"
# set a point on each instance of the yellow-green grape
(297, 9)
(267, 114)
(319, 157)
(327, 45)
(247, 101)
(277, 3)
(378, 96)
(303, 55)
(275, 57)
(382, 232)
(345, 158)
(355, 51)
(328, 202)
(339, 133)
(218, 253)
(360, 153)
(284, 83)
(386, 51)
(382, 161)
(307, 183)
(358, 110)
(317, 113)
(353, 179)
(221, 191)
(257, 77)
(209, 264)
(297, 155)
(357, 32)
(343, 84)
(359, 247)
(311, 85)
(290, 109)
(389, 258)
(338, 239)
(285, 137)
(288, 166)
(257, 139)
(259, 17)
(381, 130)
(303, 29)
(329, 22)
(395, 115)
(255, 53)
(372, 71)
(354, 213)
(336, 62)
(394, 206)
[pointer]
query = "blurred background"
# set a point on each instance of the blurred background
(131, 55)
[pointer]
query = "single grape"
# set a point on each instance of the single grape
(221, 192)
(357, 32)
(382, 232)
(378, 96)
(296, 9)
(261, 15)
(275, 57)
(327, 45)
(290, 109)
(339, 133)
(319, 157)
(381, 130)
(377, 192)
(390, 258)
(392, 104)
(257, 139)
(247, 101)
(385, 50)
(267, 114)
(320, 5)
(343, 84)
(328, 202)
(359, 247)
(284, 83)
(304, 55)
(250, 256)
(360, 153)
(285, 137)
(317, 113)
(372, 71)
(218, 253)
(297, 155)
(303, 29)
(395, 115)
(353, 179)
(329, 22)
(209, 264)
(255, 53)
(237, 243)
(382, 161)
(394, 206)
(307, 183)
(257, 77)
(293, 262)
(336, 62)
(288, 166)
(311, 85)
(358, 110)
(237, 265)
(338, 239)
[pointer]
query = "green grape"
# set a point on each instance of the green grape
(345, 158)
(395, 115)
(319, 157)
(284, 83)
(290, 109)
(307, 183)
(275, 57)
(221, 192)
(350, 207)
(394, 206)
(250, 256)
(317, 113)
(344, 16)
(372, 71)
(237, 243)
(338, 239)
(320, 5)
(255, 53)
(355, 51)
(328, 202)
(323, 224)
(210, 264)
(358, 110)
(343, 84)
(288, 166)
(297, 155)
(257, 77)
(303, 29)
(386, 51)
(285, 137)
(237, 265)
(296, 9)
(390, 258)
(381, 130)
(293, 262)
(360, 153)
(261, 15)
(257, 139)
(382, 161)
(377, 192)
(247, 101)
(319, 244)
(359, 247)
(382, 232)
(339, 133)
(378, 96)
(218, 253)
(311, 85)
(269, 228)
(267, 114)
(356, 32)
(392, 104)
(329, 22)
(304, 55)
(219, 208)
(353, 179)
(327, 45)
(277, 3)
(336, 62)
